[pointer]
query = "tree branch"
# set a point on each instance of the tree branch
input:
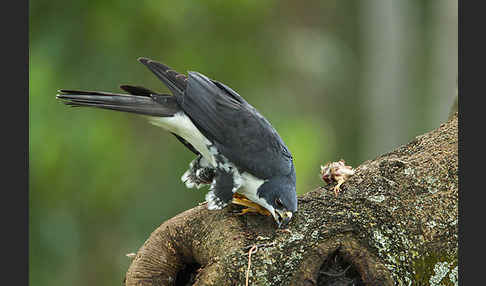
(394, 222)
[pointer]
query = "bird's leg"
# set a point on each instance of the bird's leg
(252, 210)
(198, 174)
(336, 188)
(251, 206)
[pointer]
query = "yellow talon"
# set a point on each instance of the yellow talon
(252, 207)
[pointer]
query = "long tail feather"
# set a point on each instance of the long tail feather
(147, 104)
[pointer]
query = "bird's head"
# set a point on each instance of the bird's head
(280, 195)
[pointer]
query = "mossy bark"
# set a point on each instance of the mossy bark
(394, 223)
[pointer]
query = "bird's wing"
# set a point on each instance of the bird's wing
(175, 81)
(239, 132)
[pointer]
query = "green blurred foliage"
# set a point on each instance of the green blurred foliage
(101, 181)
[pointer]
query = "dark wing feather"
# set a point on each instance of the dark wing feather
(237, 129)
(229, 92)
(175, 81)
(239, 132)
(137, 90)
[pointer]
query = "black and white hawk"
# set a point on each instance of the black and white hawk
(239, 154)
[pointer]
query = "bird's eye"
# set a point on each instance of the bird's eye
(279, 203)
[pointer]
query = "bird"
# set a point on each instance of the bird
(239, 154)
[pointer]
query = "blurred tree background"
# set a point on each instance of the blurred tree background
(338, 79)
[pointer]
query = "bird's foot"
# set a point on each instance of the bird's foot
(261, 211)
(251, 206)
(337, 188)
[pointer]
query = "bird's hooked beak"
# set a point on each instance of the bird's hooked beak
(282, 218)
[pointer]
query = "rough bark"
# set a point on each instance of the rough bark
(394, 223)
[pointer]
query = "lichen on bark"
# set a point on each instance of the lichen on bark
(393, 223)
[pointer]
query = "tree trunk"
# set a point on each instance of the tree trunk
(393, 223)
